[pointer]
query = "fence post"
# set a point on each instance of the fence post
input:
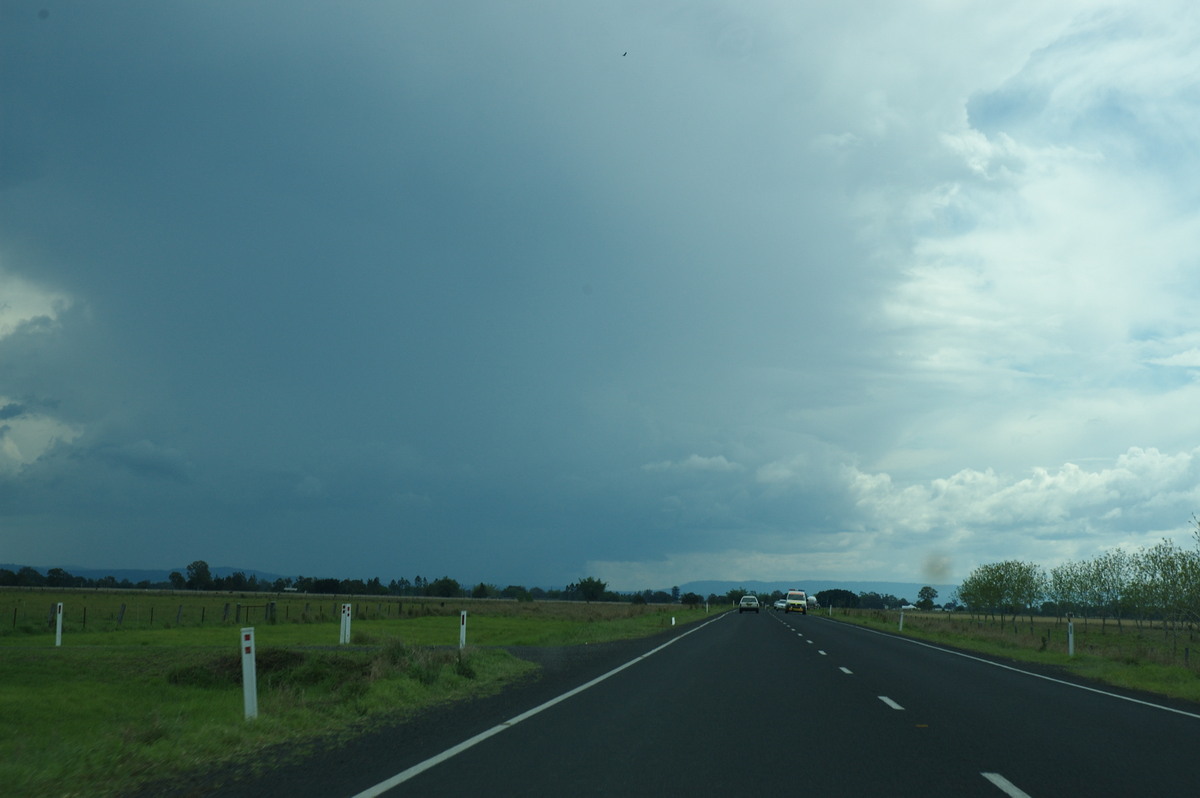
(249, 674)
(58, 625)
(462, 630)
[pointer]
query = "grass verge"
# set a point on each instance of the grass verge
(110, 711)
(1153, 660)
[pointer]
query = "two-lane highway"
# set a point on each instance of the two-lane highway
(767, 704)
(764, 704)
(1044, 734)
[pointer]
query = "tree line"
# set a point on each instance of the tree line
(1159, 583)
(199, 576)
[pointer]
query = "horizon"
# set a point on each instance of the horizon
(754, 586)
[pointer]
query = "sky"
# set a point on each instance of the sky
(652, 292)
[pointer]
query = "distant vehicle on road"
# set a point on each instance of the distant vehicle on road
(797, 601)
(812, 603)
(747, 604)
(781, 604)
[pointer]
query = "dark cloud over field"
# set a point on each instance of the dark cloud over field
(526, 292)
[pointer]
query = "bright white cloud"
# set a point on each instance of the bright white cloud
(695, 462)
(28, 429)
(1055, 513)
(26, 306)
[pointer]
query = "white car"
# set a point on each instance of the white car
(781, 604)
(747, 604)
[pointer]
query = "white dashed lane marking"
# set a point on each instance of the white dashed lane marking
(1006, 786)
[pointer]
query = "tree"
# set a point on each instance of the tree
(838, 598)
(591, 589)
(177, 580)
(875, 601)
(1110, 574)
(353, 587)
(925, 597)
(444, 587)
(517, 592)
(870, 601)
(57, 577)
(199, 577)
(30, 577)
(1008, 586)
(1066, 587)
(735, 595)
(690, 599)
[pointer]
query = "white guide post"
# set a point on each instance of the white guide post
(345, 633)
(901, 620)
(462, 630)
(1070, 634)
(58, 625)
(249, 674)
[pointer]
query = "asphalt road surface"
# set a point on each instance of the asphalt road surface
(771, 705)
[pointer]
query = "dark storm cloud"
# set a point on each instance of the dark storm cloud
(405, 288)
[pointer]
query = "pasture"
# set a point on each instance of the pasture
(147, 685)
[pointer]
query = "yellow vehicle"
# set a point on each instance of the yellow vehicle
(797, 601)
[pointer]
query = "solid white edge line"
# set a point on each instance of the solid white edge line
(421, 767)
(1027, 673)
(1006, 786)
(889, 702)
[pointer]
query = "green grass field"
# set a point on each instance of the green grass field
(154, 691)
(135, 697)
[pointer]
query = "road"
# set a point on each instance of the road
(766, 704)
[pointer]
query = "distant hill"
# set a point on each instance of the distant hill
(902, 590)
